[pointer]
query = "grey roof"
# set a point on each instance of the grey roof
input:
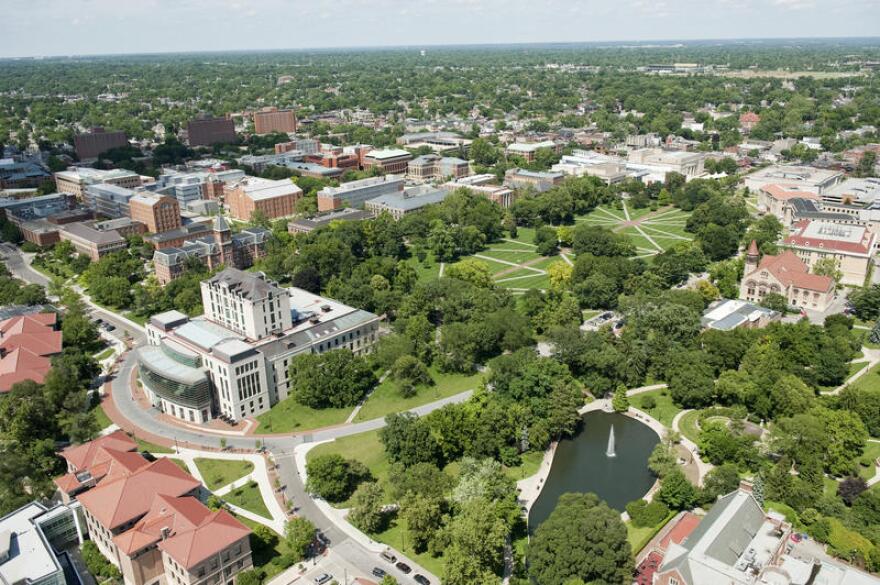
(250, 285)
(710, 553)
(181, 232)
(293, 342)
(168, 318)
(348, 214)
(220, 224)
(410, 199)
(232, 350)
(90, 234)
(159, 361)
(204, 333)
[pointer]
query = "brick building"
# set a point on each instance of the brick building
(147, 518)
(210, 131)
(97, 142)
(273, 198)
(393, 160)
(158, 212)
(270, 120)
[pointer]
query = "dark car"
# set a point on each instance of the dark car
(421, 579)
(403, 568)
(377, 572)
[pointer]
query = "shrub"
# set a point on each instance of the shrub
(644, 514)
(648, 402)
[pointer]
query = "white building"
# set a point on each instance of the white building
(29, 538)
(801, 178)
(233, 361)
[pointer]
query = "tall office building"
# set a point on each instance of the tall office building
(209, 131)
(270, 120)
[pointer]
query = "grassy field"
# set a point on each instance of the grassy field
(688, 425)
(394, 535)
(248, 497)
(368, 449)
(639, 537)
(179, 463)
(854, 368)
(386, 398)
(664, 410)
(872, 452)
(151, 447)
(870, 380)
(101, 417)
(220, 472)
(289, 415)
(104, 354)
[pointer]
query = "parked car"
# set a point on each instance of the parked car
(388, 556)
(403, 568)
(421, 579)
(323, 578)
(377, 572)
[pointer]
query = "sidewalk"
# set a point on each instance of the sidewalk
(260, 474)
(338, 517)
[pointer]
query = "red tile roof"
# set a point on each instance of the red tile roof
(83, 456)
(109, 465)
(167, 514)
(783, 193)
(749, 118)
(791, 271)
(122, 500)
(682, 529)
(753, 249)
(26, 342)
(214, 533)
(863, 246)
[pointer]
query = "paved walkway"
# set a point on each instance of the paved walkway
(260, 475)
(340, 516)
(872, 356)
(702, 467)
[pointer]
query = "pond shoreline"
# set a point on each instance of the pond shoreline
(530, 487)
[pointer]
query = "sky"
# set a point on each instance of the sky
(88, 27)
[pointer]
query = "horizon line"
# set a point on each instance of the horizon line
(642, 43)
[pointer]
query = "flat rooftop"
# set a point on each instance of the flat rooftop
(31, 557)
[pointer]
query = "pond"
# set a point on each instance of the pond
(581, 464)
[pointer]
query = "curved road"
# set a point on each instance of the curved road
(280, 446)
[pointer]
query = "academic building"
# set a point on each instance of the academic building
(147, 517)
(233, 361)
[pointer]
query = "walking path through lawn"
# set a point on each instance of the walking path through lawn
(259, 475)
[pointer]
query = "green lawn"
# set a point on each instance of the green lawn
(368, 449)
(511, 253)
(394, 536)
(178, 463)
(104, 354)
(151, 447)
(869, 380)
(664, 410)
(524, 235)
(515, 273)
(639, 537)
(101, 417)
(364, 447)
(688, 426)
(248, 497)
(537, 281)
(289, 415)
(531, 461)
(854, 368)
(263, 558)
(220, 472)
(872, 452)
(386, 398)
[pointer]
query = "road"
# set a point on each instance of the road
(281, 447)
